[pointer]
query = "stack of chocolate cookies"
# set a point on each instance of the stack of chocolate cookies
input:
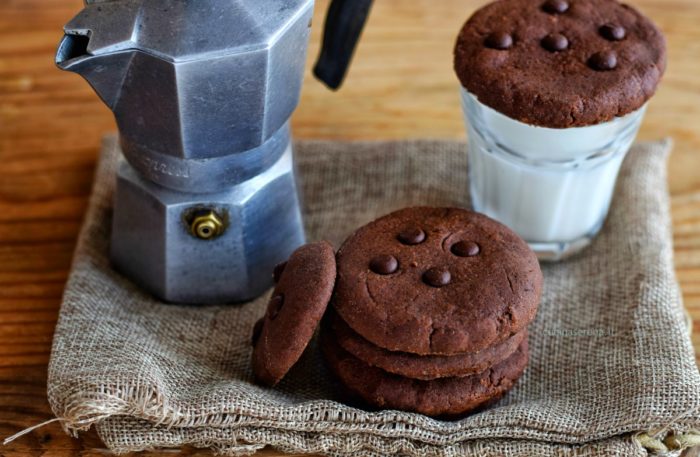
(429, 310)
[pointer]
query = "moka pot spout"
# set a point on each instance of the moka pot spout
(105, 73)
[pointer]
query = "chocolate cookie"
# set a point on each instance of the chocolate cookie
(458, 282)
(295, 308)
(439, 397)
(560, 63)
(423, 367)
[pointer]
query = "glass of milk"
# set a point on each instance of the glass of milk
(552, 186)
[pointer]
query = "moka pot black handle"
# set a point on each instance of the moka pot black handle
(344, 23)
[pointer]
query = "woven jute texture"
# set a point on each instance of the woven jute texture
(610, 351)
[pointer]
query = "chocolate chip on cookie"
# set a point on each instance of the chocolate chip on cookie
(384, 264)
(468, 284)
(555, 42)
(294, 310)
(499, 40)
(465, 249)
(411, 235)
(613, 32)
(603, 61)
(555, 6)
(437, 277)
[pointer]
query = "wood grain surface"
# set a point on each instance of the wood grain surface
(401, 86)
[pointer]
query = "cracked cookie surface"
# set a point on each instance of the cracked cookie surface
(458, 282)
(440, 397)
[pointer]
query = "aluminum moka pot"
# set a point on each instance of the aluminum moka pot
(206, 201)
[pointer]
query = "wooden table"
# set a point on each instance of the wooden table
(401, 86)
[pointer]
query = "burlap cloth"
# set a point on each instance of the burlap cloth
(610, 352)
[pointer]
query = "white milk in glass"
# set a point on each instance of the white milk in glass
(552, 186)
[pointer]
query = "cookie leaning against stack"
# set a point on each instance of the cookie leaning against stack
(431, 310)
